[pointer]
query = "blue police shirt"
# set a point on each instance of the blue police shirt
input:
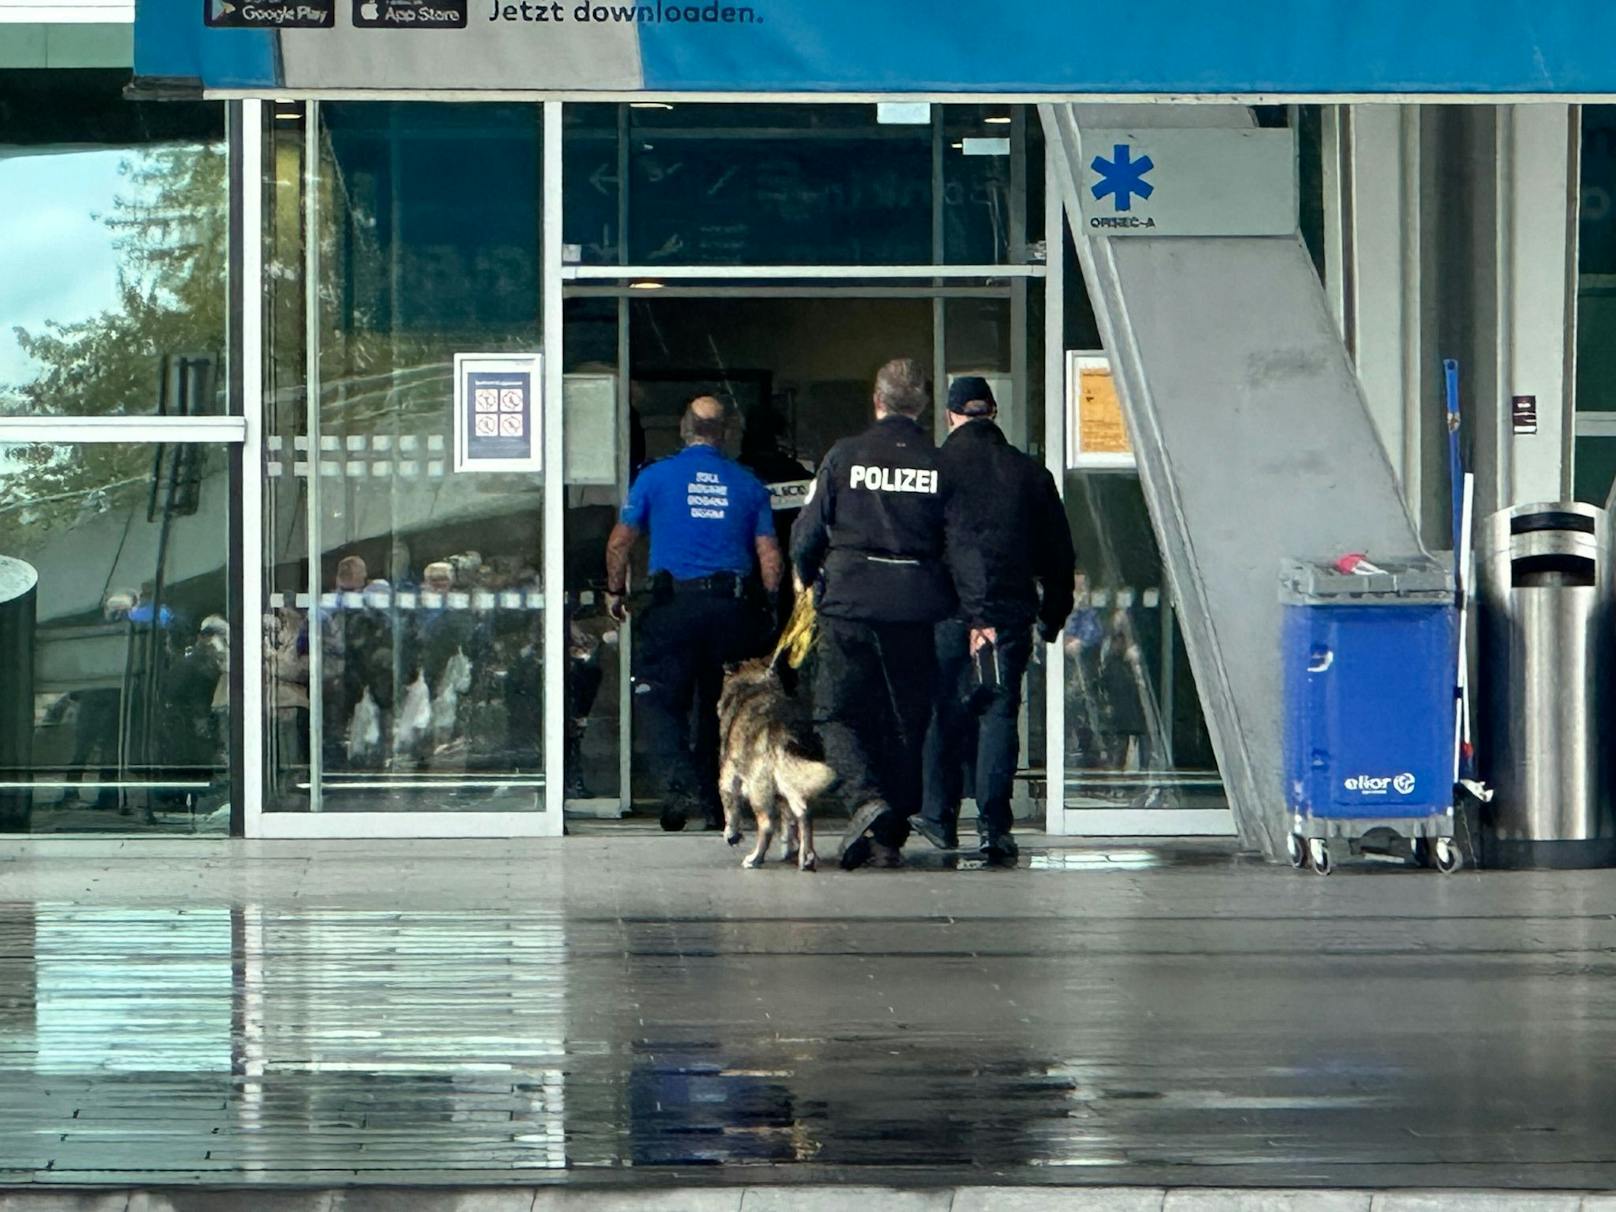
(704, 513)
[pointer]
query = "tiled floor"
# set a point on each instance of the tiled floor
(636, 1009)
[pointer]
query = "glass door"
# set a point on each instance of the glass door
(795, 367)
(1137, 755)
(404, 635)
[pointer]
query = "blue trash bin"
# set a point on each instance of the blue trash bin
(1371, 671)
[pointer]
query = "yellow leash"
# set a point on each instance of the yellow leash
(798, 637)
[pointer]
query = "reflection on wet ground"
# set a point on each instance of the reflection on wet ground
(638, 1010)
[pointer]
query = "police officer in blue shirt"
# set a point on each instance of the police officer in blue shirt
(710, 523)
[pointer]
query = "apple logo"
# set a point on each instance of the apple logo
(369, 11)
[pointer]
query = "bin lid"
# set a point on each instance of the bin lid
(16, 578)
(1413, 580)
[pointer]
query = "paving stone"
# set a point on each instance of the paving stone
(218, 1201)
(1476, 1201)
(63, 1201)
(395, 1199)
(1212, 1200)
(677, 1199)
(1058, 1199)
(836, 1198)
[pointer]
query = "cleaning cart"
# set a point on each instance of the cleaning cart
(1370, 671)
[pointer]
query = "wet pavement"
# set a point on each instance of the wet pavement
(634, 1009)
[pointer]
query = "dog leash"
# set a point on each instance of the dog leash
(798, 637)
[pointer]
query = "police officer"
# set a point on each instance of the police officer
(1010, 555)
(870, 537)
(786, 479)
(708, 519)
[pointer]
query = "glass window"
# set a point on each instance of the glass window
(406, 599)
(1596, 304)
(707, 184)
(131, 705)
(978, 185)
(1135, 734)
(798, 370)
(113, 262)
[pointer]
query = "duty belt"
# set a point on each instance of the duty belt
(725, 583)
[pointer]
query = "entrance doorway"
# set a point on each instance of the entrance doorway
(795, 367)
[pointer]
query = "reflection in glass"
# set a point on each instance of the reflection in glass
(822, 184)
(405, 654)
(133, 991)
(1595, 462)
(131, 647)
(1135, 734)
(115, 249)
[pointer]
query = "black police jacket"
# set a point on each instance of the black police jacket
(871, 532)
(1007, 532)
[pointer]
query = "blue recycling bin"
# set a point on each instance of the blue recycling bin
(1371, 670)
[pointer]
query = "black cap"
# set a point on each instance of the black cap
(970, 396)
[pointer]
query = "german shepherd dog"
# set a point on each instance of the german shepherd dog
(768, 754)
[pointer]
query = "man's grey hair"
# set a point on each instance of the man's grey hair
(901, 385)
(705, 420)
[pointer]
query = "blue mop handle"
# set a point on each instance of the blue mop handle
(1450, 378)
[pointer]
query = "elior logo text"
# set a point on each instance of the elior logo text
(1377, 784)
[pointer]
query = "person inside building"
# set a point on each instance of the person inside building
(98, 725)
(1130, 708)
(286, 673)
(357, 673)
(710, 525)
(188, 726)
(786, 479)
(1083, 640)
(870, 543)
(445, 645)
(1009, 552)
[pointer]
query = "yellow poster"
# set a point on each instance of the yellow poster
(1103, 430)
(1099, 429)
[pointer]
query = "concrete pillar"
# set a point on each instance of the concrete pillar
(1498, 286)
(1537, 188)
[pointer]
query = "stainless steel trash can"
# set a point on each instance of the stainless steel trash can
(1543, 688)
(17, 584)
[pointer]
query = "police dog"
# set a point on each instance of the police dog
(768, 754)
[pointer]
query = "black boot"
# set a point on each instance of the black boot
(937, 835)
(859, 840)
(999, 849)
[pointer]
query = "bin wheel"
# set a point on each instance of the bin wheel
(1297, 849)
(1318, 855)
(1448, 856)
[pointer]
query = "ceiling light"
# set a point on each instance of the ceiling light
(645, 285)
(649, 105)
(998, 120)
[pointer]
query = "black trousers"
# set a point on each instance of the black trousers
(872, 700)
(973, 740)
(681, 646)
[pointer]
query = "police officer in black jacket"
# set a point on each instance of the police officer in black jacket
(870, 539)
(1010, 554)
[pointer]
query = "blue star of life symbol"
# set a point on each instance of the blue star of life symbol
(1122, 176)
